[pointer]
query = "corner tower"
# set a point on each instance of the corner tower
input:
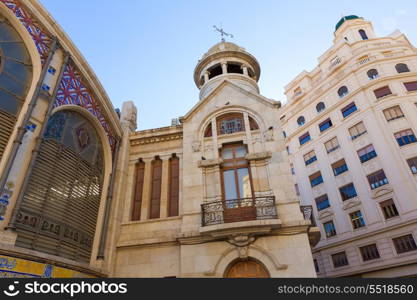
(226, 61)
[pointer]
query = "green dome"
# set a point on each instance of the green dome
(345, 18)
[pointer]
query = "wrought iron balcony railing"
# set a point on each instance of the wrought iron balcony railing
(238, 210)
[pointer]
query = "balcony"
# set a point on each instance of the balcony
(238, 210)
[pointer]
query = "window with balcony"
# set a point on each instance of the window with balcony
(377, 179)
(357, 130)
(369, 252)
(332, 145)
(326, 124)
(412, 163)
(372, 74)
(388, 209)
(339, 167)
(405, 243)
(367, 153)
(340, 259)
(230, 123)
(310, 157)
(322, 202)
(343, 91)
(405, 137)
(316, 179)
(320, 107)
(329, 229)
(357, 219)
(349, 109)
(411, 86)
(393, 113)
(347, 192)
(363, 34)
(304, 138)
(402, 68)
(382, 92)
(301, 121)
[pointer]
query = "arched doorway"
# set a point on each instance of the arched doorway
(246, 269)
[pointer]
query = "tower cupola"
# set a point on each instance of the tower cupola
(226, 61)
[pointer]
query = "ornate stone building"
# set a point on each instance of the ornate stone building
(350, 129)
(83, 194)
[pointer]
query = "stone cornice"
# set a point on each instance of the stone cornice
(156, 139)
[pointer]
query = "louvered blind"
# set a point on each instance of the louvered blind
(7, 122)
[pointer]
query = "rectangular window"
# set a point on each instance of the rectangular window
(339, 167)
(155, 203)
(404, 243)
(297, 189)
(369, 252)
(382, 92)
(393, 113)
(329, 229)
(174, 186)
(326, 124)
(377, 179)
(412, 163)
(340, 259)
(292, 169)
(137, 200)
(405, 137)
(367, 153)
(389, 209)
(348, 191)
(332, 145)
(316, 179)
(310, 157)
(349, 109)
(304, 138)
(316, 266)
(357, 130)
(357, 219)
(322, 202)
(411, 86)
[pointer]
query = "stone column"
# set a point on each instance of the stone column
(245, 70)
(224, 67)
(163, 213)
(206, 76)
(247, 132)
(214, 134)
(146, 194)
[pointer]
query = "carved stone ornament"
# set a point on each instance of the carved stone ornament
(196, 146)
(269, 135)
(351, 203)
(241, 240)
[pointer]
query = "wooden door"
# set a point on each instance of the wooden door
(247, 269)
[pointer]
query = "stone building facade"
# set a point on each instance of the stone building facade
(350, 129)
(83, 194)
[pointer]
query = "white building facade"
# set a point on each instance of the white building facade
(350, 128)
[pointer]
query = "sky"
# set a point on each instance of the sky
(146, 51)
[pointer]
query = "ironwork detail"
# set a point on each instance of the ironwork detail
(237, 210)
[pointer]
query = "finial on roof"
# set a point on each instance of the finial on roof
(222, 32)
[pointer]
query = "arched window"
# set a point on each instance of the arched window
(155, 203)
(301, 121)
(215, 70)
(230, 123)
(252, 123)
(59, 208)
(284, 134)
(137, 200)
(363, 34)
(208, 132)
(372, 74)
(15, 79)
(320, 107)
(174, 186)
(234, 67)
(246, 269)
(402, 68)
(343, 91)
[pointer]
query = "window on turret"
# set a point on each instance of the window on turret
(301, 121)
(363, 34)
(343, 91)
(251, 73)
(402, 68)
(372, 74)
(215, 70)
(233, 67)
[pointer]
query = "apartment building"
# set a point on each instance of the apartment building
(350, 128)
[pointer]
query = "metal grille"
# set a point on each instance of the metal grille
(6, 127)
(59, 210)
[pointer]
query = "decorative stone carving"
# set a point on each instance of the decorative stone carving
(326, 213)
(269, 135)
(196, 146)
(351, 203)
(241, 240)
(259, 155)
(381, 191)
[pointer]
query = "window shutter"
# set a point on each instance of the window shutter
(174, 173)
(156, 188)
(137, 200)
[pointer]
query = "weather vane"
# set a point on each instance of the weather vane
(222, 32)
